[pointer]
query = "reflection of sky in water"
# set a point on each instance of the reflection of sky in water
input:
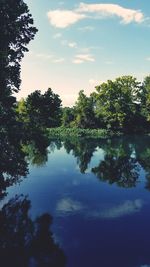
(126, 208)
(67, 206)
(96, 223)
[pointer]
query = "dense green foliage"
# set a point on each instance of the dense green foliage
(40, 111)
(122, 105)
(116, 102)
(68, 116)
(84, 112)
(16, 31)
(79, 132)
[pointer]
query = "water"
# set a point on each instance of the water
(84, 203)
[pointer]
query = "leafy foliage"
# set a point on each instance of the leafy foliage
(68, 116)
(116, 102)
(40, 110)
(84, 112)
(16, 31)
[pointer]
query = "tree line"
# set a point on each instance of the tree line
(120, 105)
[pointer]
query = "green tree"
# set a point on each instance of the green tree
(145, 100)
(51, 109)
(84, 111)
(40, 111)
(68, 116)
(116, 103)
(16, 31)
(21, 110)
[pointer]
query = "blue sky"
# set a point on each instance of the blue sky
(80, 45)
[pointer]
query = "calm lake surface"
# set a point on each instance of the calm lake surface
(92, 201)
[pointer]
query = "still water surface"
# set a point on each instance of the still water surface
(84, 202)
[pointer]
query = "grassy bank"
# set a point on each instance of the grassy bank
(76, 132)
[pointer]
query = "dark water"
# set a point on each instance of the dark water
(84, 203)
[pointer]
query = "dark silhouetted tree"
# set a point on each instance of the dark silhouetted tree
(16, 31)
(24, 242)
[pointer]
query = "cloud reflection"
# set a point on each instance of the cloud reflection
(67, 206)
(126, 208)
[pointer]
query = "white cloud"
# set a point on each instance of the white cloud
(107, 10)
(57, 35)
(64, 18)
(81, 58)
(69, 44)
(72, 44)
(148, 59)
(58, 60)
(77, 61)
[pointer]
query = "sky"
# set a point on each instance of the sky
(82, 44)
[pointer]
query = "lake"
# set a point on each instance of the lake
(83, 203)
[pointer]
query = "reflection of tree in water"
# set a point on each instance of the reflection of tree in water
(82, 150)
(119, 165)
(142, 147)
(24, 242)
(123, 160)
(36, 148)
(15, 154)
(12, 164)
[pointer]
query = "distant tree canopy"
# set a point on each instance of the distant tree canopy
(117, 102)
(68, 116)
(40, 110)
(121, 105)
(145, 98)
(84, 113)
